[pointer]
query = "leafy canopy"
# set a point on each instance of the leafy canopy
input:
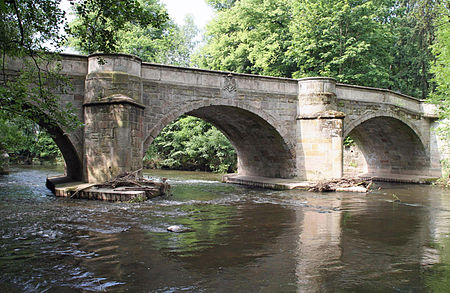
(249, 36)
(25, 141)
(380, 43)
(169, 44)
(30, 30)
(27, 30)
(441, 69)
(343, 39)
(99, 22)
(159, 40)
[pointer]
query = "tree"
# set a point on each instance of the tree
(343, 39)
(413, 28)
(165, 42)
(441, 69)
(99, 22)
(25, 141)
(169, 44)
(30, 30)
(380, 43)
(248, 36)
(221, 4)
(27, 29)
(191, 144)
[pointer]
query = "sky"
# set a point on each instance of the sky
(178, 10)
(200, 11)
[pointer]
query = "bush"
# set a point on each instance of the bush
(190, 143)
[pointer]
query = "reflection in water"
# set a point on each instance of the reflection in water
(238, 239)
(318, 246)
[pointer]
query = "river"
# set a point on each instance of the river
(238, 239)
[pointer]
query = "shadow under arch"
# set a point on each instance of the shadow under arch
(389, 145)
(362, 119)
(260, 148)
(74, 169)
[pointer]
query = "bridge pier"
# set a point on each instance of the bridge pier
(319, 130)
(113, 116)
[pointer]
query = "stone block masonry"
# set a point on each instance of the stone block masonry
(113, 139)
(280, 127)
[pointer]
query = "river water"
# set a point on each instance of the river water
(238, 239)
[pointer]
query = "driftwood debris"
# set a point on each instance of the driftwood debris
(131, 181)
(342, 184)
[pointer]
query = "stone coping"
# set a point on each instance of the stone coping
(379, 89)
(218, 72)
(80, 56)
(114, 100)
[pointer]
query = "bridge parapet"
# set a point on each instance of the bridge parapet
(196, 77)
(378, 96)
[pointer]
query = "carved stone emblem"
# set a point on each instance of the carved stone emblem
(230, 84)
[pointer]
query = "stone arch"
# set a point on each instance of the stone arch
(389, 145)
(354, 123)
(74, 169)
(255, 135)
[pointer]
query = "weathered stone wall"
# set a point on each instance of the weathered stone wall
(70, 143)
(319, 130)
(354, 161)
(113, 140)
(255, 113)
(279, 127)
(75, 67)
(114, 115)
(391, 130)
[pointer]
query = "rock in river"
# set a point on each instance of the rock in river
(176, 229)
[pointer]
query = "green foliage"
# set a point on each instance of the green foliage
(221, 4)
(99, 22)
(29, 25)
(27, 29)
(413, 30)
(343, 39)
(24, 141)
(441, 69)
(250, 36)
(348, 141)
(160, 40)
(169, 44)
(191, 144)
(380, 43)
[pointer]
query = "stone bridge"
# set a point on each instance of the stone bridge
(280, 127)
